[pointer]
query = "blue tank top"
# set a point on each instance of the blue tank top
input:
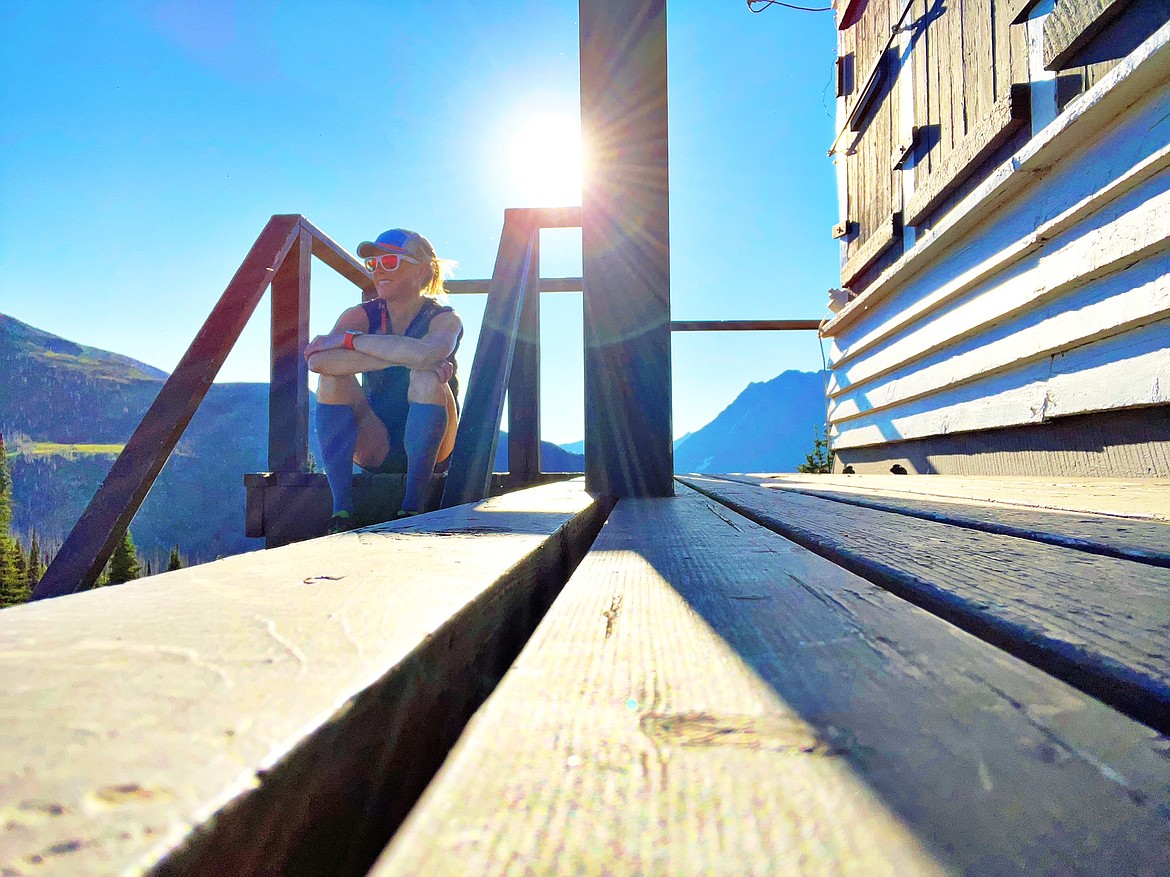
(386, 388)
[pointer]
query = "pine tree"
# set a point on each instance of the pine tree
(124, 565)
(175, 562)
(5, 491)
(19, 567)
(13, 589)
(820, 460)
(35, 566)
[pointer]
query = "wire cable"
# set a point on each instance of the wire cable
(764, 4)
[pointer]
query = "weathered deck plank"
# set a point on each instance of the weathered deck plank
(1123, 497)
(706, 697)
(301, 696)
(1100, 623)
(1141, 540)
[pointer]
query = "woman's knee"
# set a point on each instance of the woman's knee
(338, 390)
(426, 387)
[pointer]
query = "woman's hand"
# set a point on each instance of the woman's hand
(444, 371)
(335, 341)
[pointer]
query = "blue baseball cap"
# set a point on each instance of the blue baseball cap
(398, 240)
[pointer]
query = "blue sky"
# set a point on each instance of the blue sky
(143, 146)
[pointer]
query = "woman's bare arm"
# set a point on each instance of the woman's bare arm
(327, 353)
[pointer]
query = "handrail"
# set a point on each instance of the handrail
(469, 477)
(92, 540)
(742, 325)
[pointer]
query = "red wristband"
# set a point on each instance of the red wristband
(348, 342)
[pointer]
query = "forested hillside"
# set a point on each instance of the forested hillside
(65, 411)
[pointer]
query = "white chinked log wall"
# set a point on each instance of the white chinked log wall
(1044, 293)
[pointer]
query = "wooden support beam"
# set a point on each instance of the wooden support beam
(288, 393)
(549, 217)
(480, 287)
(524, 381)
(475, 443)
(626, 248)
(92, 540)
(340, 260)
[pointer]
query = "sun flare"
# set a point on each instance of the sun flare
(545, 158)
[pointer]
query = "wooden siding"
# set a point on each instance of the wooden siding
(1044, 293)
(1111, 444)
(873, 204)
(933, 95)
(939, 103)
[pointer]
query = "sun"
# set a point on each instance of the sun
(545, 158)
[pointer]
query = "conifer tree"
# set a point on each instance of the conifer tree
(820, 460)
(20, 568)
(175, 562)
(124, 565)
(13, 591)
(35, 566)
(11, 577)
(5, 491)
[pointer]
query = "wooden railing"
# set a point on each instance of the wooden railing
(507, 358)
(280, 258)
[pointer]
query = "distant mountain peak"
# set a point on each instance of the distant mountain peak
(769, 427)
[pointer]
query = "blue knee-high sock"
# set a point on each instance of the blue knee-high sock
(337, 435)
(425, 427)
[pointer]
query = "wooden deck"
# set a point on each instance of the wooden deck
(760, 675)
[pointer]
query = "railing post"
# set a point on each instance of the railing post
(470, 474)
(288, 395)
(524, 383)
(626, 251)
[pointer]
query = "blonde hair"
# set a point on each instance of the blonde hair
(439, 268)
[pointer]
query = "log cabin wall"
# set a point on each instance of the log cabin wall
(1005, 236)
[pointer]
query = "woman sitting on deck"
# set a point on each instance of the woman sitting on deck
(403, 416)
